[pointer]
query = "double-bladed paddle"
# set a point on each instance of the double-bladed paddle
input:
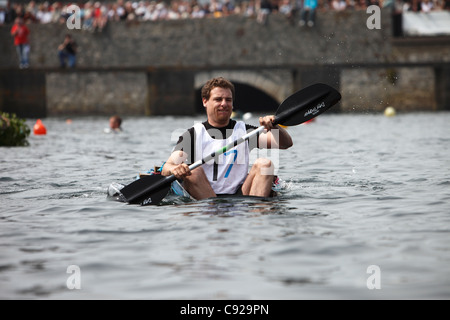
(296, 109)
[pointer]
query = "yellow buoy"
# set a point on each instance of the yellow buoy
(389, 112)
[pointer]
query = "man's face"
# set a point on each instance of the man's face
(219, 106)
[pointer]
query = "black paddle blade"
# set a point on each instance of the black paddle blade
(155, 188)
(306, 104)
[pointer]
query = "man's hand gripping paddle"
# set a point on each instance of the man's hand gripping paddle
(300, 107)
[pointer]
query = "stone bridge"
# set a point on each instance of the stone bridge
(157, 68)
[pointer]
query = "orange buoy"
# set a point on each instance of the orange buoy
(39, 128)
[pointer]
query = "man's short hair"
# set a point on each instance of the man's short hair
(214, 83)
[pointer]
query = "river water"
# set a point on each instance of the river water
(365, 214)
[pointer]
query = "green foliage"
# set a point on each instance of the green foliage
(13, 131)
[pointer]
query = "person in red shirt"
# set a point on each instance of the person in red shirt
(100, 18)
(20, 33)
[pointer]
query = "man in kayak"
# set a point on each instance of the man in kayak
(228, 173)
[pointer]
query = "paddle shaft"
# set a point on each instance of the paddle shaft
(224, 149)
(231, 145)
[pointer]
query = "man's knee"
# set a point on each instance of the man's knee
(264, 166)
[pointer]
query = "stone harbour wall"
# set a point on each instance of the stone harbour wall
(96, 93)
(405, 89)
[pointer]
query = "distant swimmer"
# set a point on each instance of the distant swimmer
(115, 123)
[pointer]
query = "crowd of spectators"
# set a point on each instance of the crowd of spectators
(97, 14)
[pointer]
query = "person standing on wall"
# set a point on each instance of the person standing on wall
(67, 51)
(20, 33)
(308, 13)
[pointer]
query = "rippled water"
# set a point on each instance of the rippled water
(363, 190)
